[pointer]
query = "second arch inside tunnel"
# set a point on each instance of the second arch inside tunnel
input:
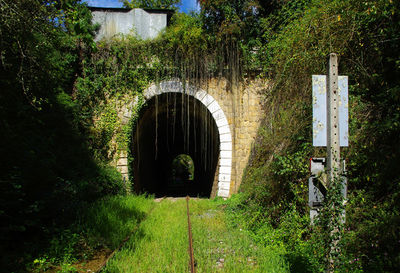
(171, 125)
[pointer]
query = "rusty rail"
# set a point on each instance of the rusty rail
(192, 264)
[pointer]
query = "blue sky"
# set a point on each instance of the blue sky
(187, 5)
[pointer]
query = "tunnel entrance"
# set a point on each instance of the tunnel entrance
(181, 178)
(175, 126)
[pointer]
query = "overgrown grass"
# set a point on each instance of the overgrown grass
(111, 220)
(222, 247)
(160, 245)
(223, 239)
(290, 238)
(102, 225)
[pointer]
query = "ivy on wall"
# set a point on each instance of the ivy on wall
(122, 68)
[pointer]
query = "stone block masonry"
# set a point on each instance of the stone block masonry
(243, 109)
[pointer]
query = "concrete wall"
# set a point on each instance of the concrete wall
(145, 24)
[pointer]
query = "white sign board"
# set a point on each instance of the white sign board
(320, 110)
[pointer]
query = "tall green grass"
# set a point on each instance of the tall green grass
(220, 247)
(159, 238)
(104, 224)
(160, 245)
(111, 220)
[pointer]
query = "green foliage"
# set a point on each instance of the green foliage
(281, 181)
(186, 33)
(117, 73)
(288, 237)
(110, 220)
(104, 130)
(103, 224)
(183, 167)
(372, 233)
(48, 171)
(298, 36)
(152, 4)
(329, 226)
(240, 18)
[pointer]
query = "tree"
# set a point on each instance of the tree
(44, 157)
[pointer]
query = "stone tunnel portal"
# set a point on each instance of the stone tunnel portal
(172, 124)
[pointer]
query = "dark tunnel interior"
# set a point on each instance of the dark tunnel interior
(173, 124)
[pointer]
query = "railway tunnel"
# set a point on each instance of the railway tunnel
(173, 126)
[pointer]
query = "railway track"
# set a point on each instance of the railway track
(192, 263)
(165, 240)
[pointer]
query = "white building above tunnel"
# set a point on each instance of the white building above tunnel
(145, 23)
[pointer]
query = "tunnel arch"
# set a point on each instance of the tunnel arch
(224, 165)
